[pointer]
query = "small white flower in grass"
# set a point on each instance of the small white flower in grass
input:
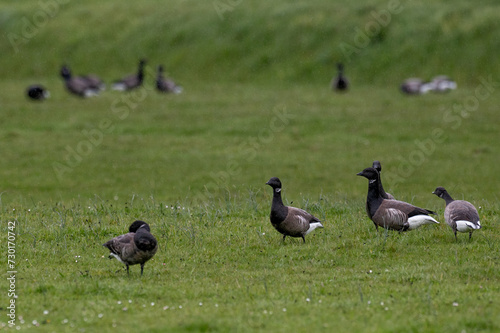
(65, 321)
(319, 301)
(100, 315)
(165, 307)
(369, 302)
(455, 304)
(284, 309)
(308, 299)
(180, 306)
(386, 308)
(265, 311)
(200, 304)
(152, 303)
(35, 323)
(119, 302)
(370, 271)
(130, 301)
(382, 303)
(45, 312)
(125, 309)
(216, 305)
(144, 305)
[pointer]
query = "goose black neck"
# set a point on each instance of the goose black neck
(381, 188)
(447, 198)
(374, 197)
(278, 209)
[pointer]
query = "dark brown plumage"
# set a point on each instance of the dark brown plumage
(131, 81)
(78, 85)
(340, 82)
(392, 214)
(460, 215)
(135, 247)
(166, 85)
(290, 221)
(383, 193)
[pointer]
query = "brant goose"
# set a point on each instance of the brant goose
(392, 214)
(442, 83)
(415, 86)
(340, 82)
(37, 92)
(460, 215)
(78, 85)
(377, 166)
(166, 85)
(290, 221)
(135, 247)
(131, 81)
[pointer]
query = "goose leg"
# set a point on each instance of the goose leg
(142, 268)
(304, 239)
(128, 273)
(284, 236)
(456, 238)
(470, 235)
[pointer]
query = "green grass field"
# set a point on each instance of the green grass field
(256, 104)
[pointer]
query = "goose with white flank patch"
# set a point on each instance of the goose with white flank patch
(290, 221)
(166, 85)
(460, 215)
(135, 247)
(443, 83)
(392, 214)
(131, 81)
(377, 166)
(78, 85)
(340, 82)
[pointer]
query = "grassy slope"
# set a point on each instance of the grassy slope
(220, 141)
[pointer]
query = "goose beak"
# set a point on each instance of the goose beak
(359, 173)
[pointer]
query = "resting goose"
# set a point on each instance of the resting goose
(135, 247)
(340, 82)
(377, 166)
(415, 86)
(131, 81)
(37, 92)
(290, 221)
(460, 215)
(392, 214)
(166, 85)
(443, 83)
(78, 85)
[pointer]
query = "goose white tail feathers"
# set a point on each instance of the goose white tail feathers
(313, 226)
(467, 226)
(419, 220)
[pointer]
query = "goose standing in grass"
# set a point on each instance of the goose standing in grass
(290, 221)
(166, 85)
(131, 81)
(78, 85)
(460, 215)
(135, 247)
(443, 83)
(37, 92)
(377, 166)
(392, 214)
(340, 82)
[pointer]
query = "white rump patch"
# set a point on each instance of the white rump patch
(419, 220)
(467, 226)
(313, 226)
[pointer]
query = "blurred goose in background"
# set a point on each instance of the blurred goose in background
(460, 215)
(131, 81)
(290, 221)
(443, 83)
(414, 86)
(392, 214)
(78, 85)
(340, 82)
(37, 92)
(135, 247)
(166, 85)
